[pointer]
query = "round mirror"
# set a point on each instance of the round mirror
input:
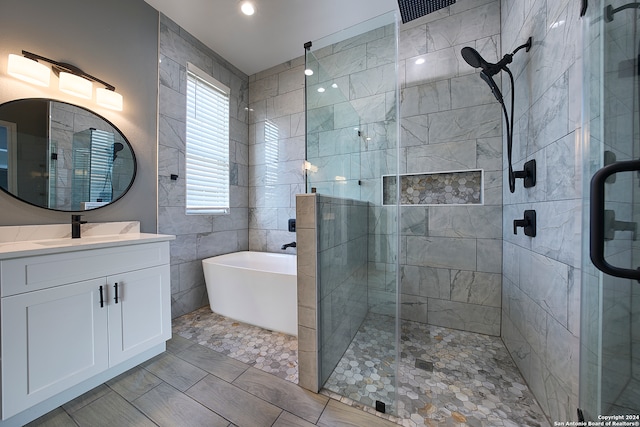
(61, 156)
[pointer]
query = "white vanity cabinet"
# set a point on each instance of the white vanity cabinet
(69, 317)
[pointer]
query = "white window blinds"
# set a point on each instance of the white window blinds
(207, 145)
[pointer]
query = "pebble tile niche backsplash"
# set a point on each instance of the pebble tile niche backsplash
(444, 188)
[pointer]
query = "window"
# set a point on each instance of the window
(207, 145)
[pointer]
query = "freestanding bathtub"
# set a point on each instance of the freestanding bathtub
(258, 288)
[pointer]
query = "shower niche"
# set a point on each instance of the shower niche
(437, 188)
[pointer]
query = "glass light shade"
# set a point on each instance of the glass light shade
(75, 85)
(28, 70)
(247, 8)
(109, 99)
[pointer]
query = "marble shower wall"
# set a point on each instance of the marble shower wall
(66, 121)
(276, 153)
(197, 236)
(352, 143)
(541, 275)
(451, 255)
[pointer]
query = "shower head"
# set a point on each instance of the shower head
(117, 146)
(473, 58)
(414, 9)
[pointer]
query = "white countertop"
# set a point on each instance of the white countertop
(26, 248)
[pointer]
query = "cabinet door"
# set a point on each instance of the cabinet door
(141, 317)
(52, 339)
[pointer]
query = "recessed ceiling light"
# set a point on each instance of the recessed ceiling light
(320, 89)
(335, 86)
(247, 8)
(420, 61)
(308, 72)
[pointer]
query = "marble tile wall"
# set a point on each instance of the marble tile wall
(451, 256)
(197, 236)
(352, 143)
(450, 121)
(542, 275)
(276, 153)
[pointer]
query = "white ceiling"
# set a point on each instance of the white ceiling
(275, 33)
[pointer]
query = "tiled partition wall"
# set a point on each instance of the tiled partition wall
(332, 281)
(307, 237)
(541, 279)
(342, 276)
(197, 236)
(451, 255)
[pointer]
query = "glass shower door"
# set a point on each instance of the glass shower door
(351, 143)
(610, 326)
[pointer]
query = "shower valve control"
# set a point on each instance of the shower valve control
(528, 174)
(528, 223)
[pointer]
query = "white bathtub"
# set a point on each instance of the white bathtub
(258, 288)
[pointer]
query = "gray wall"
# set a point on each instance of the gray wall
(541, 275)
(197, 236)
(115, 41)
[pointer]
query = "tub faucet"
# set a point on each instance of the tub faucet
(76, 220)
(288, 245)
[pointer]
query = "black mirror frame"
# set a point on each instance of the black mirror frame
(133, 156)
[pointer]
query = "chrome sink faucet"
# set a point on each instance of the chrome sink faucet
(76, 221)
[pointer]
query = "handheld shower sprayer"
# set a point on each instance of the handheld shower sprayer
(476, 60)
(473, 58)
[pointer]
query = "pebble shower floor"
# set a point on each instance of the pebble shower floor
(446, 377)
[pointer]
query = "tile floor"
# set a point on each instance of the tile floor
(446, 377)
(218, 372)
(628, 399)
(272, 352)
(192, 385)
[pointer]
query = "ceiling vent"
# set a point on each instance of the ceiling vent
(414, 9)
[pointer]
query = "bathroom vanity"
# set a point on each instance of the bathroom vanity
(75, 313)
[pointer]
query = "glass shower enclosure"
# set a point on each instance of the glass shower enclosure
(610, 326)
(351, 143)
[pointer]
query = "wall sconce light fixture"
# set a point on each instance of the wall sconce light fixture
(72, 80)
(28, 70)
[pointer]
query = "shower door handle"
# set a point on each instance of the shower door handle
(597, 223)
